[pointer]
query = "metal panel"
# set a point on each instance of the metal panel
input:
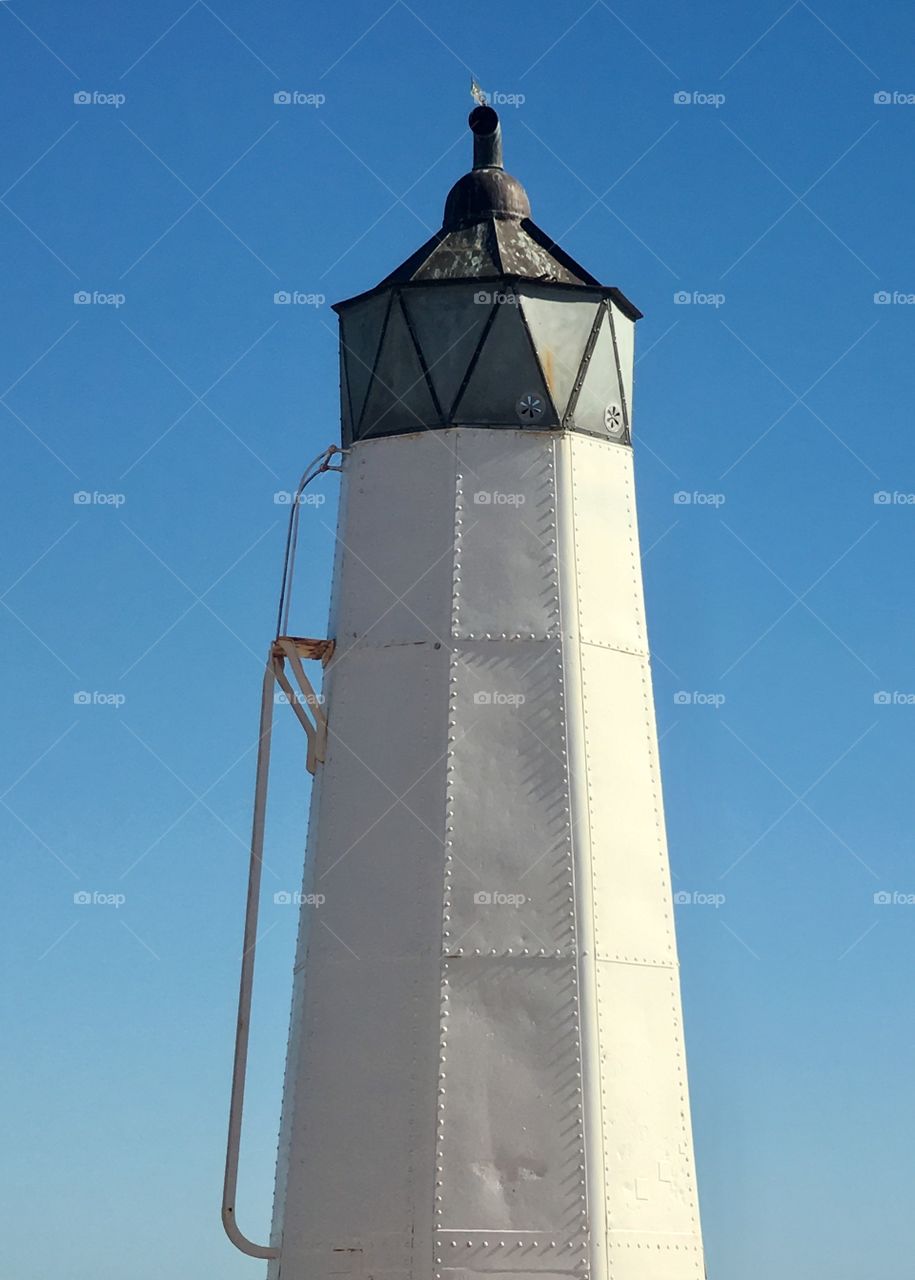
(528, 1255)
(510, 1138)
(658, 1256)
(648, 1157)
(508, 869)
(630, 879)
(355, 1176)
(395, 583)
(608, 570)
(378, 856)
(505, 575)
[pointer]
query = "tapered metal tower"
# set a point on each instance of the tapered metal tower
(486, 1068)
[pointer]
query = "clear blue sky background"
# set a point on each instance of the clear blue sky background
(199, 398)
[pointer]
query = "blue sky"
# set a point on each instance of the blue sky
(778, 199)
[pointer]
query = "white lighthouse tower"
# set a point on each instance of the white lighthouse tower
(486, 1070)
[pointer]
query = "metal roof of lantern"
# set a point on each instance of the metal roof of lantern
(490, 323)
(487, 232)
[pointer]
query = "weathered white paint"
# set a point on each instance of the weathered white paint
(486, 1066)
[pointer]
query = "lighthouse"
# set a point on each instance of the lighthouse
(486, 1069)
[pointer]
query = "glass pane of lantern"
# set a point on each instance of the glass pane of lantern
(560, 325)
(448, 323)
(505, 388)
(624, 328)
(361, 331)
(399, 398)
(599, 407)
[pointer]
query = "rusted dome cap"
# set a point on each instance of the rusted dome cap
(487, 191)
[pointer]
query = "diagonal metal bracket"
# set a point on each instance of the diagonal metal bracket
(293, 649)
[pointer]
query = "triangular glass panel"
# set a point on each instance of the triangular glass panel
(361, 327)
(624, 331)
(599, 406)
(560, 324)
(506, 388)
(448, 323)
(399, 399)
